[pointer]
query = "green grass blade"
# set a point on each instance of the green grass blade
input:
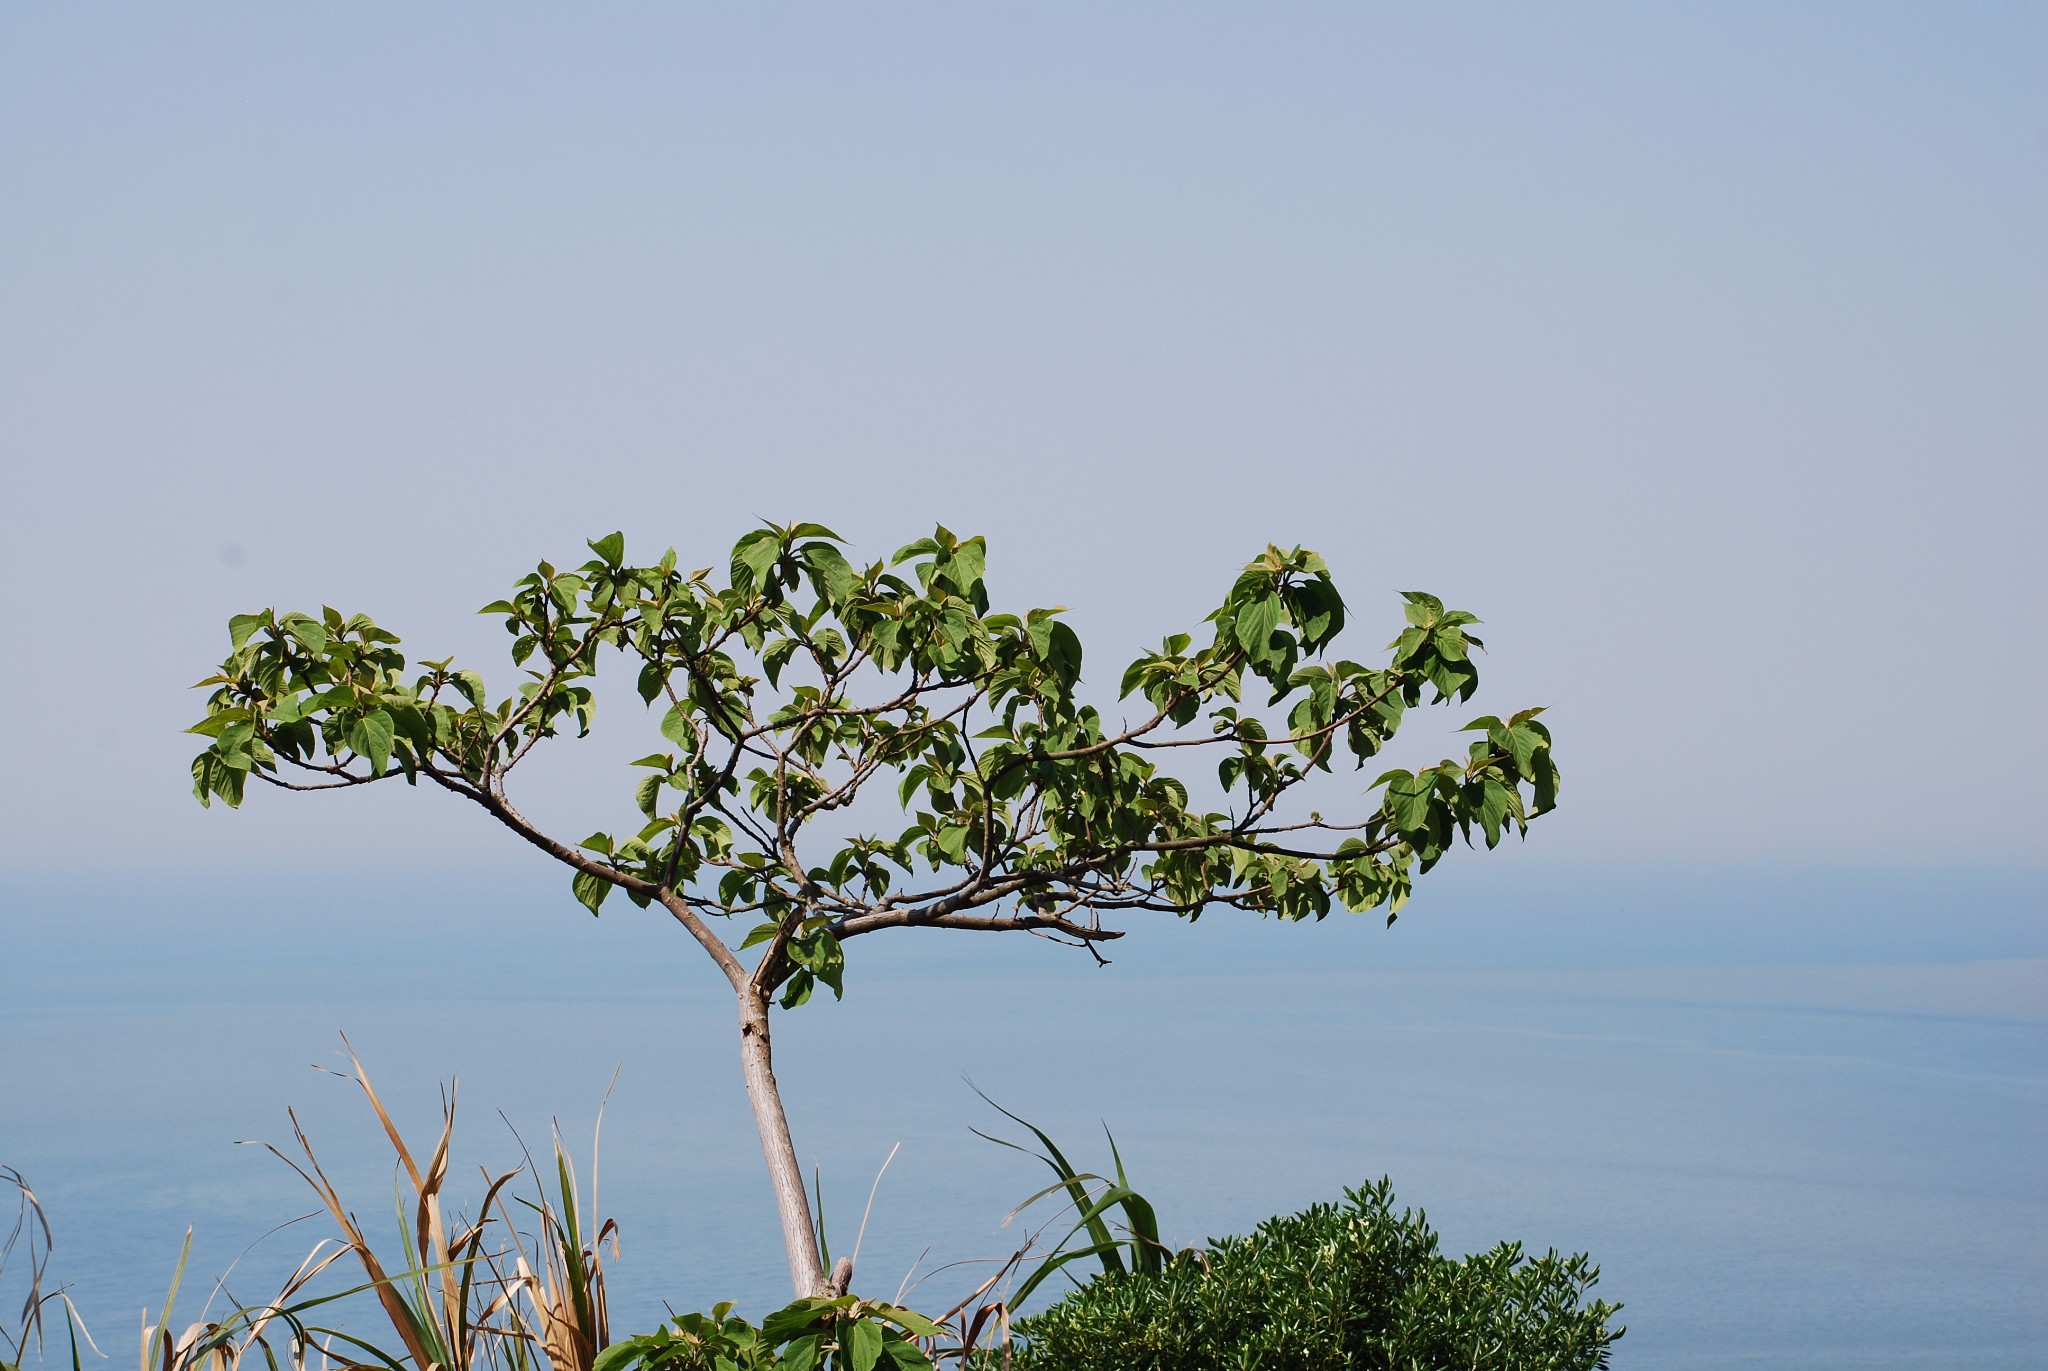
(1147, 1252)
(571, 1239)
(1099, 1231)
(1047, 1268)
(152, 1358)
(818, 1206)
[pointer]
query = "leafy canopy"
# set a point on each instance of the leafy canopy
(800, 680)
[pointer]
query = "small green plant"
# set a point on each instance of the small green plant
(1347, 1287)
(841, 1333)
(718, 1341)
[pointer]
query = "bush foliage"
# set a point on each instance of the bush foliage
(1332, 1288)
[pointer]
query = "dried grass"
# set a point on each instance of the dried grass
(31, 1237)
(457, 1294)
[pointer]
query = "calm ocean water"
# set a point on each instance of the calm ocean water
(1800, 1162)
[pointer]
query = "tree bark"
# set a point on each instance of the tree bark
(799, 1234)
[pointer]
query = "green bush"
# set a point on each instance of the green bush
(1333, 1288)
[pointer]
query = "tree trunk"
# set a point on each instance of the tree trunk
(799, 1235)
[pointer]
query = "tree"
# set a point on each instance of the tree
(1029, 811)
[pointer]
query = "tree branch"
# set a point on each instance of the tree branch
(995, 923)
(706, 937)
(500, 809)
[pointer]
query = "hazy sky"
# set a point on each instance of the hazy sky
(1701, 350)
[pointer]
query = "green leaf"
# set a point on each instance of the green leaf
(472, 687)
(611, 548)
(798, 990)
(1424, 609)
(797, 1317)
(915, 1323)
(754, 557)
(675, 726)
(907, 1356)
(370, 738)
(968, 564)
(835, 574)
(1493, 810)
(1523, 744)
(1065, 656)
(759, 933)
(213, 725)
(242, 625)
(920, 548)
(864, 1344)
(1256, 621)
(309, 633)
(652, 679)
(801, 1355)
(1408, 799)
(591, 889)
(952, 842)
(1134, 674)
(777, 657)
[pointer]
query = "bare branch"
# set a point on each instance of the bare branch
(502, 810)
(348, 780)
(995, 923)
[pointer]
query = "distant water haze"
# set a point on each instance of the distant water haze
(1809, 1163)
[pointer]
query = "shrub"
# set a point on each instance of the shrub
(1332, 1288)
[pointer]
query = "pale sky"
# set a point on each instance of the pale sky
(1701, 350)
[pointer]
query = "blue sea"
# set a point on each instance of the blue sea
(1798, 1116)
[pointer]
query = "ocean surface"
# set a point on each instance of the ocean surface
(1799, 1117)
